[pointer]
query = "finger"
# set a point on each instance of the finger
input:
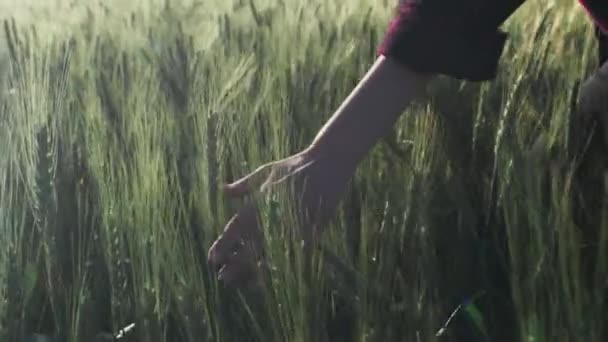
(241, 230)
(219, 253)
(240, 270)
(248, 183)
(227, 243)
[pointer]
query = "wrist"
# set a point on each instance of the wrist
(331, 154)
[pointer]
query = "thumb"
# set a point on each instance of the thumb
(249, 183)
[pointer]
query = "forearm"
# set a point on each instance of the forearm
(368, 113)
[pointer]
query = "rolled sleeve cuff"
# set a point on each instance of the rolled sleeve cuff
(433, 46)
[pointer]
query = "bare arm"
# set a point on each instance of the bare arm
(321, 172)
(319, 175)
(368, 113)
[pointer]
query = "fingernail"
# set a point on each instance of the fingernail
(221, 273)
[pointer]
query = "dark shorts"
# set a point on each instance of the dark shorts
(457, 38)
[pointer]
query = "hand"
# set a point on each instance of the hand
(318, 183)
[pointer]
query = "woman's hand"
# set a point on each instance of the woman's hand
(317, 184)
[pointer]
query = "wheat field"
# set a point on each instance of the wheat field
(119, 122)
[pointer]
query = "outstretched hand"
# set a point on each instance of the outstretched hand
(317, 184)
